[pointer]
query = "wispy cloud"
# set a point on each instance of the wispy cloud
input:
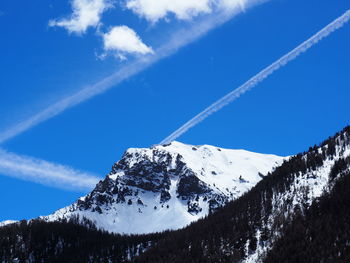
(86, 13)
(46, 173)
(176, 41)
(251, 83)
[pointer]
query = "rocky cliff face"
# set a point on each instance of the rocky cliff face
(168, 187)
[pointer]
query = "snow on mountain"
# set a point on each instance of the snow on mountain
(7, 222)
(168, 187)
(305, 188)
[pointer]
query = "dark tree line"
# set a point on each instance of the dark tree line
(57, 242)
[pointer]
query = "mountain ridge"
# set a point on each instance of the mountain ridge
(304, 203)
(246, 229)
(168, 186)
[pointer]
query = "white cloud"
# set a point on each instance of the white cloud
(153, 10)
(86, 13)
(232, 3)
(46, 173)
(122, 40)
(176, 41)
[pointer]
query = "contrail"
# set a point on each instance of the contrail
(178, 40)
(46, 173)
(251, 83)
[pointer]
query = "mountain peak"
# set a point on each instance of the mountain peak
(168, 186)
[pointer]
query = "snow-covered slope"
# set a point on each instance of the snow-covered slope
(7, 222)
(168, 187)
(325, 163)
(259, 226)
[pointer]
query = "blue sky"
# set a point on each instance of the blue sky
(298, 106)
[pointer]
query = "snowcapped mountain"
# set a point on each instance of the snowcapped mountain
(298, 212)
(7, 222)
(168, 187)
